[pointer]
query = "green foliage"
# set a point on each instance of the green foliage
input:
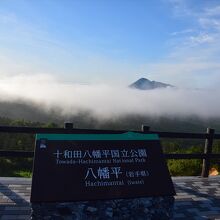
(23, 173)
(23, 167)
(216, 149)
(18, 167)
(50, 125)
(185, 167)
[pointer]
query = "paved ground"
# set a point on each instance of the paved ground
(197, 198)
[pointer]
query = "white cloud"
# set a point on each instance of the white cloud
(186, 31)
(105, 101)
(185, 72)
(192, 62)
(202, 17)
(208, 23)
(213, 11)
(11, 66)
(202, 38)
(194, 55)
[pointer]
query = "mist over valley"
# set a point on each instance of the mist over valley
(46, 99)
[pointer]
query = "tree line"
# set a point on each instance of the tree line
(26, 142)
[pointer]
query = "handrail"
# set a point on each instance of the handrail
(209, 136)
(34, 130)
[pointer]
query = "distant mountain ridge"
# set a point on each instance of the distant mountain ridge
(146, 84)
(35, 113)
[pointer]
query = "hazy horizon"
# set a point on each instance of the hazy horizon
(105, 101)
(81, 55)
(116, 42)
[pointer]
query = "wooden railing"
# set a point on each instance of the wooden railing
(209, 136)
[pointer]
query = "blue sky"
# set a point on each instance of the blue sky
(117, 41)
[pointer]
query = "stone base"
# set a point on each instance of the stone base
(154, 208)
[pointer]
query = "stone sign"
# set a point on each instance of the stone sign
(81, 167)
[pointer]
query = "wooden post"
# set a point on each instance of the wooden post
(145, 128)
(207, 151)
(68, 125)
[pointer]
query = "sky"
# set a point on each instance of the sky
(112, 42)
(81, 55)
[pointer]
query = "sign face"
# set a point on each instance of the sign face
(76, 167)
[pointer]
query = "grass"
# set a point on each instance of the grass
(15, 167)
(185, 167)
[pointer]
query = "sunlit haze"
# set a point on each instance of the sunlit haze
(83, 55)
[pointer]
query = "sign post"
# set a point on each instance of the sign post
(82, 167)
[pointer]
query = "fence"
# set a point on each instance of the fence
(209, 136)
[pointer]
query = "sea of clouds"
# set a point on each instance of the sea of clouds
(106, 101)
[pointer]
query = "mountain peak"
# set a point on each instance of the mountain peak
(146, 84)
